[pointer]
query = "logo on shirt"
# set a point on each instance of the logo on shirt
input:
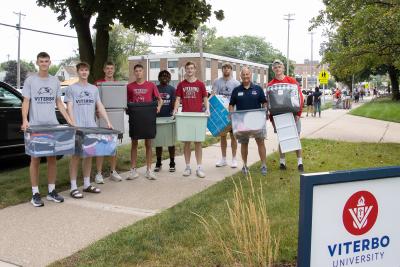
(254, 92)
(45, 96)
(85, 98)
(190, 92)
(45, 90)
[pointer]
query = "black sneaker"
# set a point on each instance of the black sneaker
(300, 168)
(54, 196)
(37, 200)
(158, 167)
(172, 167)
(282, 166)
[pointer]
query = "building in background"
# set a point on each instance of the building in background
(211, 69)
(307, 73)
(66, 73)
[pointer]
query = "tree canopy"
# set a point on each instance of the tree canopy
(11, 71)
(363, 39)
(144, 16)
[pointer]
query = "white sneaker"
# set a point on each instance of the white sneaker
(99, 179)
(133, 175)
(187, 171)
(150, 175)
(200, 174)
(234, 163)
(115, 176)
(221, 163)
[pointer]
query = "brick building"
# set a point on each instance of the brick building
(212, 66)
(308, 72)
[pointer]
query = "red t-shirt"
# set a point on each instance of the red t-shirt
(192, 94)
(139, 93)
(101, 81)
(290, 80)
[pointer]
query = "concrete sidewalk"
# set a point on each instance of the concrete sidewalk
(39, 236)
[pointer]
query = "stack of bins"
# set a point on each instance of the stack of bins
(191, 126)
(287, 132)
(94, 142)
(219, 121)
(249, 123)
(166, 133)
(142, 120)
(49, 140)
(113, 95)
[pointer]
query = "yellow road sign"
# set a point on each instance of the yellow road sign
(323, 77)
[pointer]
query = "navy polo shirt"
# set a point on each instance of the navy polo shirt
(251, 98)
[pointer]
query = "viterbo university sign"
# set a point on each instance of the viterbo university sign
(355, 221)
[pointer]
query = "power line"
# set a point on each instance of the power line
(34, 30)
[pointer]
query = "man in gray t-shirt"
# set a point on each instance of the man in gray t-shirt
(41, 94)
(82, 99)
(224, 86)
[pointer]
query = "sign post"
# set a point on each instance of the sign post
(323, 79)
(350, 218)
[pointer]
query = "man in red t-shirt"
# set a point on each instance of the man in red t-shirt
(109, 70)
(193, 95)
(278, 68)
(142, 91)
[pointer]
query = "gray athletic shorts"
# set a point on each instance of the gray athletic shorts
(245, 140)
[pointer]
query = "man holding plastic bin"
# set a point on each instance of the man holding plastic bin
(82, 99)
(142, 91)
(167, 93)
(193, 95)
(42, 92)
(109, 70)
(224, 87)
(278, 68)
(249, 96)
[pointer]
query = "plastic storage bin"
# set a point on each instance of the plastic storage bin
(287, 132)
(117, 119)
(113, 94)
(249, 123)
(142, 120)
(219, 121)
(92, 142)
(49, 140)
(191, 126)
(283, 98)
(166, 132)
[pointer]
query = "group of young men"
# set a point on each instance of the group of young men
(84, 105)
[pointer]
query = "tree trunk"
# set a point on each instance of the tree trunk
(102, 41)
(394, 79)
(81, 23)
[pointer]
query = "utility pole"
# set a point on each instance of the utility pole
(8, 57)
(19, 49)
(200, 38)
(312, 50)
(289, 18)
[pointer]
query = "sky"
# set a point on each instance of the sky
(262, 18)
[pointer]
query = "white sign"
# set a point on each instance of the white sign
(350, 219)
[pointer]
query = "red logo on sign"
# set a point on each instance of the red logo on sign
(360, 213)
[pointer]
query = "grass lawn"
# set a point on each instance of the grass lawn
(175, 237)
(15, 187)
(381, 109)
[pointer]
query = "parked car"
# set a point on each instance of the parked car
(11, 136)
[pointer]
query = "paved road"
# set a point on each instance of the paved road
(38, 236)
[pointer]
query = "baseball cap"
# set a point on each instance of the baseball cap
(227, 64)
(277, 62)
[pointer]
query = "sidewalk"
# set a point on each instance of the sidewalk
(39, 236)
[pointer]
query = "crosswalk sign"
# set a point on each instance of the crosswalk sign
(323, 77)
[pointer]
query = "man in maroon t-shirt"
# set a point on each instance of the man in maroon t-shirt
(142, 91)
(109, 70)
(193, 94)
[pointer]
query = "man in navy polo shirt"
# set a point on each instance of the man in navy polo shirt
(249, 96)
